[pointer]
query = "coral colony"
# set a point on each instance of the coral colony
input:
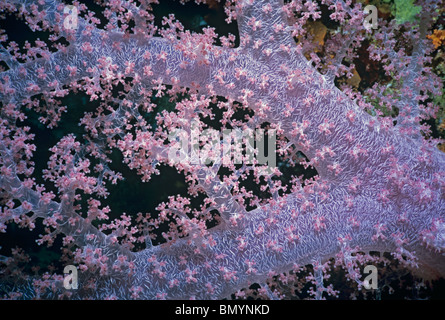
(322, 151)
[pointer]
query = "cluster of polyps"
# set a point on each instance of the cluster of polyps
(360, 159)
